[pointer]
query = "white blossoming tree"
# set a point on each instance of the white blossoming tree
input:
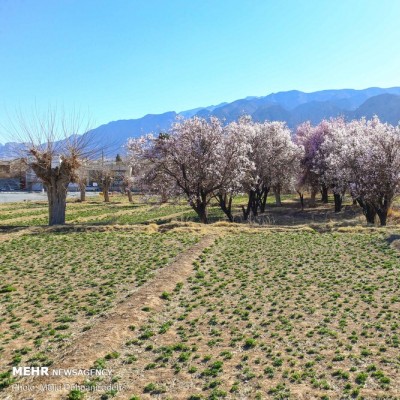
(312, 164)
(330, 157)
(235, 165)
(273, 158)
(196, 155)
(372, 159)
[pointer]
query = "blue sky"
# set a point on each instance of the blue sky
(124, 59)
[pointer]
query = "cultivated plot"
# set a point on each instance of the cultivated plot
(55, 285)
(273, 315)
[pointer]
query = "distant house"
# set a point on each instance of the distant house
(118, 170)
(90, 172)
(12, 174)
(5, 168)
(33, 183)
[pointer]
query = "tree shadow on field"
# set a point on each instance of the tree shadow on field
(291, 215)
(394, 241)
(393, 238)
(12, 228)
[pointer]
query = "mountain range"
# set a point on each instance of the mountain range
(293, 107)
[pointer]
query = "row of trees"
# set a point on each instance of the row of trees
(58, 147)
(205, 159)
(361, 157)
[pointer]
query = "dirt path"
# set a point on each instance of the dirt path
(112, 331)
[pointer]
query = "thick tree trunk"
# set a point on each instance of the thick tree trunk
(200, 206)
(106, 195)
(82, 188)
(370, 214)
(225, 202)
(57, 196)
(313, 196)
(278, 201)
(338, 201)
(129, 193)
(201, 210)
(229, 209)
(383, 208)
(382, 214)
(256, 203)
(263, 200)
(368, 210)
(250, 206)
(301, 195)
(324, 193)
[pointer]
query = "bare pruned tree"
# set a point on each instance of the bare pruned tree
(53, 144)
(105, 176)
(127, 185)
(82, 181)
